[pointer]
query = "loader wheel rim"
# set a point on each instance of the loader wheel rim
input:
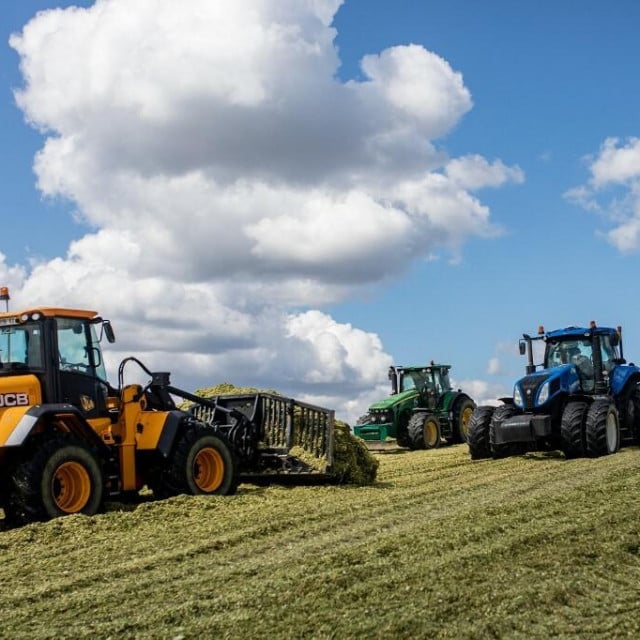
(208, 469)
(71, 487)
(612, 432)
(464, 421)
(431, 433)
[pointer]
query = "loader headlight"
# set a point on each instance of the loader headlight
(25, 317)
(543, 394)
(517, 397)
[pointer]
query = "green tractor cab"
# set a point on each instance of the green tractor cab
(422, 412)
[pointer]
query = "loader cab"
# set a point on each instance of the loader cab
(61, 348)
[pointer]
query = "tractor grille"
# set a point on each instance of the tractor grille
(530, 386)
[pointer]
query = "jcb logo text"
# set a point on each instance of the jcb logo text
(13, 399)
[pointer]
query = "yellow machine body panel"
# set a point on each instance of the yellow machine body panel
(9, 420)
(17, 395)
(149, 429)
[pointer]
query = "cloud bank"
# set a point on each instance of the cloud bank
(231, 186)
(613, 189)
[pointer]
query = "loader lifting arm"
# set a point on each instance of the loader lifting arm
(241, 432)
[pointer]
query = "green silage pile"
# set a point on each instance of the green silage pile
(352, 463)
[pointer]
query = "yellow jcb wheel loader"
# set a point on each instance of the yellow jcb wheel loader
(68, 439)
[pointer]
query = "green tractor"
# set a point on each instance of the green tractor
(421, 412)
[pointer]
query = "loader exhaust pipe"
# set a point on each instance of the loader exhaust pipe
(4, 295)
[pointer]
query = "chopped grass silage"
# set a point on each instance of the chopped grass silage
(439, 547)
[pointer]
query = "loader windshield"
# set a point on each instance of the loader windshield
(78, 348)
(21, 347)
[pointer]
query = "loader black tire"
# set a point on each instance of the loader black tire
(57, 475)
(504, 449)
(201, 463)
(423, 431)
(462, 411)
(572, 430)
(629, 412)
(602, 430)
(478, 432)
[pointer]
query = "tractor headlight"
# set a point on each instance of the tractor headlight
(382, 415)
(517, 397)
(543, 394)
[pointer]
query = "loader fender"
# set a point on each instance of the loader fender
(169, 432)
(17, 424)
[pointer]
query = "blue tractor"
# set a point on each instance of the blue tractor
(584, 399)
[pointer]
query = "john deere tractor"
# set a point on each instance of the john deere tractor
(583, 399)
(422, 411)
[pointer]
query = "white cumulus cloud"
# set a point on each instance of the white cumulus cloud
(613, 189)
(493, 367)
(228, 185)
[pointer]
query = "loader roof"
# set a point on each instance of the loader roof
(51, 312)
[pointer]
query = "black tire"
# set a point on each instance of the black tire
(478, 432)
(201, 463)
(503, 450)
(572, 430)
(602, 430)
(629, 412)
(423, 431)
(57, 475)
(402, 437)
(462, 411)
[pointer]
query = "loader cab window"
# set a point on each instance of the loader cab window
(21, 347)
(82, 376)
(78, 349)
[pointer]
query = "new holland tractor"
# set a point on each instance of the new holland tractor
(69, 440)
(583, 399)
(422, 411)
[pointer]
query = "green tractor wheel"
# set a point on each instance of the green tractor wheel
(462, 412)
(424, 431)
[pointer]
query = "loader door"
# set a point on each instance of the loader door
(81, 370)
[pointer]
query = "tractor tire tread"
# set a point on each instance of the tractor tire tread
(478, 433)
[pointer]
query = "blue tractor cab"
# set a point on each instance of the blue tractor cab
(583, 399)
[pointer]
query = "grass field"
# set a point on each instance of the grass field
(439, 547)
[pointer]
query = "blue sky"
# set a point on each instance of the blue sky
(548, 83)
